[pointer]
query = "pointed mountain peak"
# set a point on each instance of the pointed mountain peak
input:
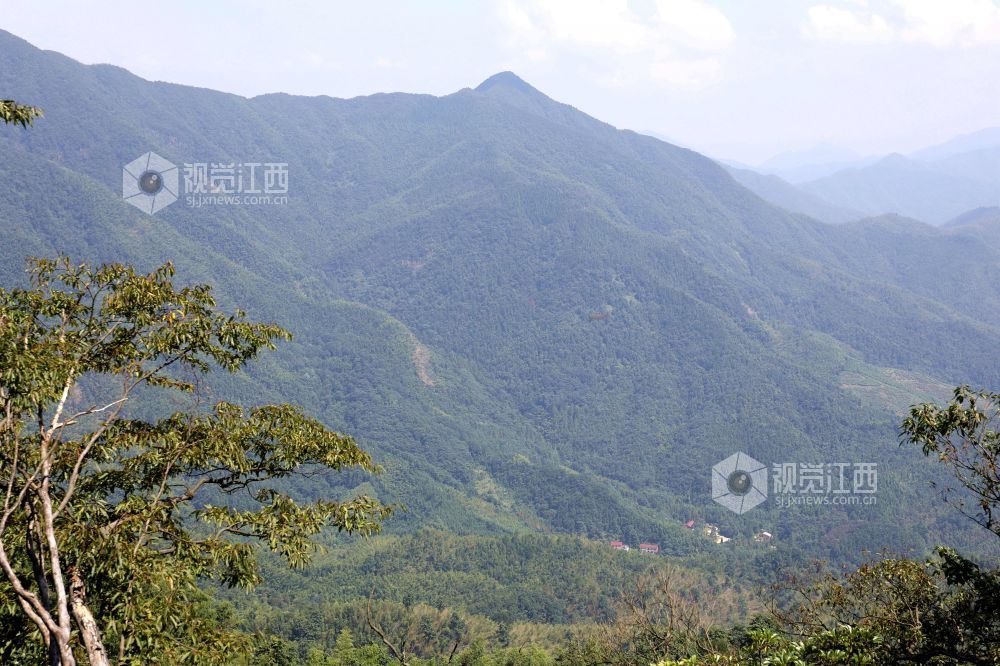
(506, 81)
(897, 161)
(510, 90)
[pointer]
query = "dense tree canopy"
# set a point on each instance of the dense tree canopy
(108, 522)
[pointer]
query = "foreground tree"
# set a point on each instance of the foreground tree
(965, 436)
(12, 113)
(108, 521)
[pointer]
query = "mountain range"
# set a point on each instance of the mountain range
(799, 166)
(780, 192)
(933, 191)
(934, 184)
(537, 322)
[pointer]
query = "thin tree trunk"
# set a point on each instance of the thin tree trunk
(49, 531)
(33, 545)
(89, 631)
(34, 548)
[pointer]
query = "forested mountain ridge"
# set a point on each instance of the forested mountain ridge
(933, 184)
(536, 321)
(976, 216)
(773, 189)
(933, 191)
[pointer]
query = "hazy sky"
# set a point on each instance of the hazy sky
(742, 80)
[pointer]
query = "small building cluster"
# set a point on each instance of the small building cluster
(712, 532)
(643, 547)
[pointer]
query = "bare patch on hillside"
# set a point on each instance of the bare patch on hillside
(894, 388)
(421, 358)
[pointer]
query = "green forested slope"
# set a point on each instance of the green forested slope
(536, 321)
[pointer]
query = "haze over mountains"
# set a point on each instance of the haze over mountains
(536, 321)
(780, 192)
(800, 166)
(934, 184)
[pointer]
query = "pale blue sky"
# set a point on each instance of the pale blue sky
(742, 80)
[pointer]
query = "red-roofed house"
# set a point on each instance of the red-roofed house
(689, 524)
(618, 545)
(649, 548)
